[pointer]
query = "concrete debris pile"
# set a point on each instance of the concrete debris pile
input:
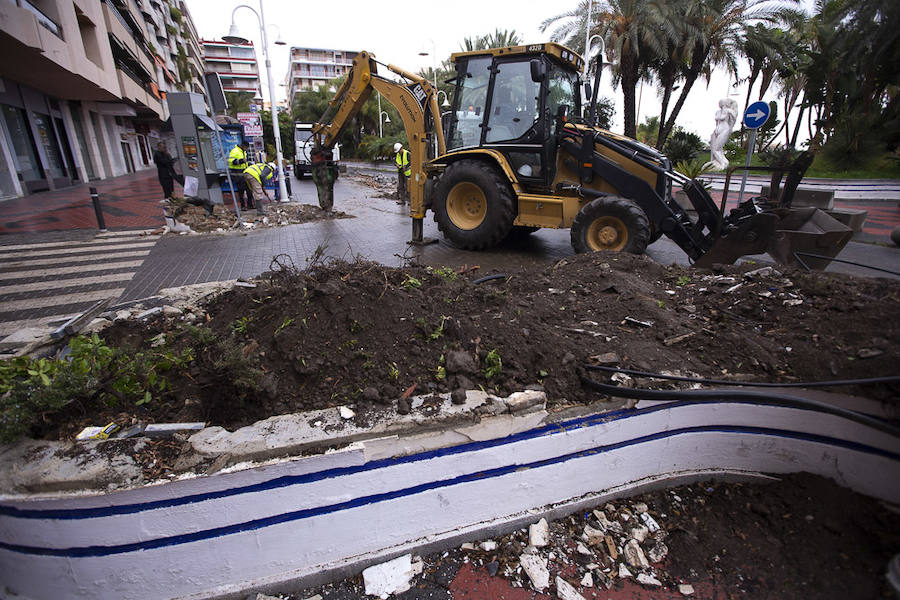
(600, 549)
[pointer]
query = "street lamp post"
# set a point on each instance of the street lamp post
(235, 38)
(434, 76)
(383, 117)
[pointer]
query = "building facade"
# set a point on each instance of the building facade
(311, 67)
(82, 91)
(236, 65)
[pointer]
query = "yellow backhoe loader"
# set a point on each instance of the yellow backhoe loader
(512, 157)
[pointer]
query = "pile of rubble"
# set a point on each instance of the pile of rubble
(187, 218)
(594, 550)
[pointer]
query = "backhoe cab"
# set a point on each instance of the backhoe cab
(513, 157)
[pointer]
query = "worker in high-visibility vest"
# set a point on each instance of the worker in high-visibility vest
(404, 170)
(237, 162)
(256, 176)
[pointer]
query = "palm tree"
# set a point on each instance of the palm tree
(718, 27)
(499, 39)
(635, 31)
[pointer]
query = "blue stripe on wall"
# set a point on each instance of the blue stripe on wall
(99, 551)
(289, 480)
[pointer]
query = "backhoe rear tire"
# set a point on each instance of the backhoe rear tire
(611, 223)
(474, 207)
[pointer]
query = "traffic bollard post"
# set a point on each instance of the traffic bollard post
(98, 209)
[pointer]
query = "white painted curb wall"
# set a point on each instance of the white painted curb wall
(230, 532)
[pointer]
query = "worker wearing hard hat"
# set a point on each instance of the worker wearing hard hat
(404, 170)
(237, 162)
(256, 176)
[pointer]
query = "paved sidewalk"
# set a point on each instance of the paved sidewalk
(129, 202)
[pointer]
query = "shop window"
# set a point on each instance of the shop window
(23, 144)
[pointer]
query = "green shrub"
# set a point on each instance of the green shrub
(683, 146)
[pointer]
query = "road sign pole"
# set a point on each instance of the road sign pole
(751, 144)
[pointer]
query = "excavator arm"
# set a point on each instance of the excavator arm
(414, 98)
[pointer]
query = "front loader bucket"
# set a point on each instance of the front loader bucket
(752, 235)
(808, 230)
(781, 233)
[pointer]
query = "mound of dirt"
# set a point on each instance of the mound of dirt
(361, 334)
(223, 217)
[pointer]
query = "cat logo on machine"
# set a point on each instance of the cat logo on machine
(419, 92)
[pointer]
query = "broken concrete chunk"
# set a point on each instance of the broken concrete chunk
(488, 545)
(650, 522)
(149, 313)
(519, 402)
(587, 580)
(624, 572)
(592, 536)
(565, 591)
(171, 311)
(639, 533)
(686, 589)
(658, 552)
(392, 577)
(244, 284)
(539, 534)
(163, 430)
(645, 579)
(607, 359)
(582, 549)
(346, 413)
(869, 352)
(536, 569)
(634, 556)
(639, 508)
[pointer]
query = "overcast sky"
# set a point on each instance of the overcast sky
(396, 32)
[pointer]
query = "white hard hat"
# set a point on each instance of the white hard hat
(272, 166)
(397, 147)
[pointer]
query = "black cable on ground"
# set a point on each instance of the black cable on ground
(759, 397)
(835, 382)
(491, 277)
(797, 255)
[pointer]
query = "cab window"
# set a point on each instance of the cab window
(563, 86)
(515, 105)
(472, 88)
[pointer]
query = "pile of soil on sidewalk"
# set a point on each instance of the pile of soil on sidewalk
(800, 537)
(362, 335)
(223, 217)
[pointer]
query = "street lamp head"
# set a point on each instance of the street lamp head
(234, 35)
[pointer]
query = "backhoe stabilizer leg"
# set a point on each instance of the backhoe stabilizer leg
(418, 233)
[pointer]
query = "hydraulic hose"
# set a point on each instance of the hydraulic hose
(490, 278)
(740, 395)
(835, 382)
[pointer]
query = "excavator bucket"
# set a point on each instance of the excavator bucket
(781, 233)
(808, 231)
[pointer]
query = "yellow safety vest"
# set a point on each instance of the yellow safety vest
(260, 172)
(237, 159)
(402, 160)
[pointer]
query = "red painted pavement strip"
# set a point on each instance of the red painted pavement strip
(129, 202)
(475, 584)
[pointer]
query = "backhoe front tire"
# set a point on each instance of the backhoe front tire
(474, 207)
(611, 223)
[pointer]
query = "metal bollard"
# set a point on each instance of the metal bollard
(98, 210)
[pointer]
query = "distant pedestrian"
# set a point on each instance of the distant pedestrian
(237, 162)
(404, 170)
(165, 169)
(256, 176)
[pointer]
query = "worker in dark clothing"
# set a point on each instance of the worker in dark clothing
(165, 169)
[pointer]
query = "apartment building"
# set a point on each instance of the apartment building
(236, 65)
(311, 67)
(83, 87)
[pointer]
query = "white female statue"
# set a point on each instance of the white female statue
(726, 117)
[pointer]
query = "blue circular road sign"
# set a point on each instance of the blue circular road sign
(756, 115)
